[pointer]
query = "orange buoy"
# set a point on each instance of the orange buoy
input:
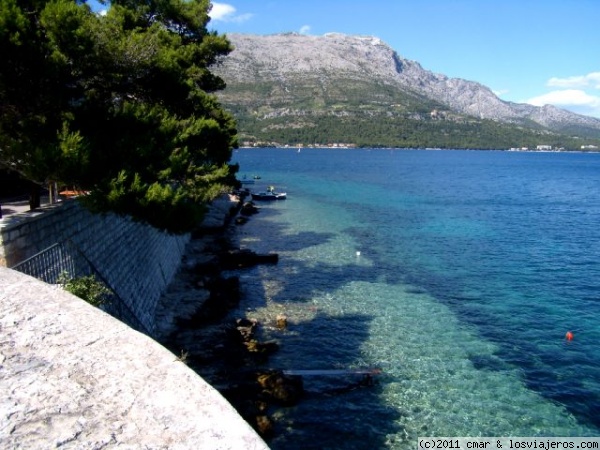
(569, 336)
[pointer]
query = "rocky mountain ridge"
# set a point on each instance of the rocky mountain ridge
(293, 75)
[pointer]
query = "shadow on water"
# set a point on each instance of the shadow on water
(547, 372)
(336, 412)
(295, 282)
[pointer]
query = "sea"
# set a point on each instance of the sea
(457, 273)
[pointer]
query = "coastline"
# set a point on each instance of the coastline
(197, 320)
(123, 386)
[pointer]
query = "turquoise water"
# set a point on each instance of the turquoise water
(456, 272)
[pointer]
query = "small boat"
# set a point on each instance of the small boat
(246, 180)
(269, 195)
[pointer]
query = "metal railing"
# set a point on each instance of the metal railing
(65, 261)
(61, 260)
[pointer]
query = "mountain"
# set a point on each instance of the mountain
(299, 89)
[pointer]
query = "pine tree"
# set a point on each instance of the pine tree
(121, 105)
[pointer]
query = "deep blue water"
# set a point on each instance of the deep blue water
(457, 272)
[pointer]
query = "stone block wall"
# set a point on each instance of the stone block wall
(136, 260)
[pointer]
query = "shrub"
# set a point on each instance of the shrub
(88, 288)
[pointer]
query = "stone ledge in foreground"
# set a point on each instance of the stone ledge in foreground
(72, 376)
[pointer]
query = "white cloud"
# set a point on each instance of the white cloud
(227, 13)
(576, 93)
(575, 100)
(221, 11)
(580, 81)
(305, 29)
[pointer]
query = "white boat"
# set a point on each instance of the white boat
(269, 195)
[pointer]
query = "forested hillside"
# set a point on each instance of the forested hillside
(307, 90)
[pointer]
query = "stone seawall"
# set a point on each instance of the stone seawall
(137, 261)
(74, 377)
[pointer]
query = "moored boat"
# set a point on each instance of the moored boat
(269, 195)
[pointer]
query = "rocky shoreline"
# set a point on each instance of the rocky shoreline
(195, 322)
(200, 320)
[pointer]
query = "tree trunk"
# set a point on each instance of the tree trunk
(53, 192)
(34, 196)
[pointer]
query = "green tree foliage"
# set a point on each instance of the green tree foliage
(121, 105)
(381, 130)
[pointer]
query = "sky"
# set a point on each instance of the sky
(526, 51)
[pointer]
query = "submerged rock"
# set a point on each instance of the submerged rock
(248, 209)
(269, 347)
(264, 425)
(240, 258)
(286, 390)
(281, 321)
(246, 328)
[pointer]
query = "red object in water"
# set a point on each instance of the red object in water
(569, 336)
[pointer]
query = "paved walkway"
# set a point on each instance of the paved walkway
(19, 206)
(14, 208)
(14, 211)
